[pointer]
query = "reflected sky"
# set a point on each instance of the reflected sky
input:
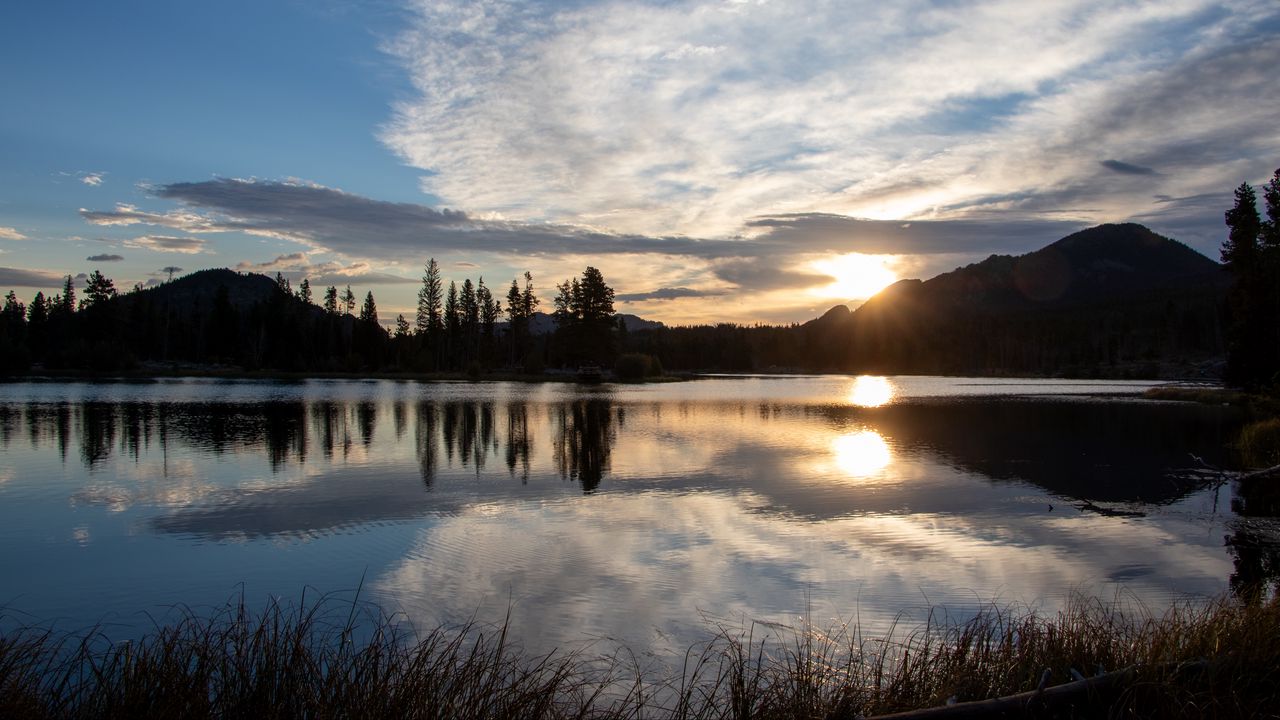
(628, 512)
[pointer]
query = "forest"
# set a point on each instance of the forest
(1108, 301)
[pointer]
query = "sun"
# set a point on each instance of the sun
(856, 276)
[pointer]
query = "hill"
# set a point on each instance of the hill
(1109, 300)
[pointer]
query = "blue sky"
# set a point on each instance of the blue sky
(712, 158)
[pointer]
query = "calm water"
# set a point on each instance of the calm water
(637, 513)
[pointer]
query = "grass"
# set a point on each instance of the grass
(1203, 395)
(328, 659)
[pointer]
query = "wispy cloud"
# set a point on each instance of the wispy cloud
(296, 266)
(105, 258)
(8, 233)
(92, 179)
(670, 293)
(167, 243)
(688, 117)
(1126, 168)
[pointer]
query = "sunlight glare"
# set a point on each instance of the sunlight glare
(861, 454)
(857, 276)
(870, 391)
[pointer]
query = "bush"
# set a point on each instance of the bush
(1260, 443)
(635, 366)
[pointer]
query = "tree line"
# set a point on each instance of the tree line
(220, 317)
(1252, 253)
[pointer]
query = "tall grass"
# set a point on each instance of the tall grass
(324, 659)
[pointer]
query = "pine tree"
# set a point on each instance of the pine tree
(528, 300)
(99, 290)
(348, 301)
(402, 326)
(38, 312)
(331, 300)
(304, 291)
(369, 311)
(429, 321)
(282, 282)
(452, 315)
(490, 309)
(14, 311)
(469, 305)
(1253, 343)
(1240, 251)
(67, 303)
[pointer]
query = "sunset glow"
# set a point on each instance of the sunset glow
(856, 276)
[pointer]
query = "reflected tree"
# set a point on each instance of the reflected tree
(366, 421)
(97, 432)
(425, 442)
(285, 432)
(518, 443)
(584, 440)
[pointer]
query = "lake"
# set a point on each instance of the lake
(641, 514)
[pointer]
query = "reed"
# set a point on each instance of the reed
(329, 659)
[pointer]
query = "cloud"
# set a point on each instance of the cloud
(126, 214)
(296, 266)
(167, 243)
(819, 232)
(758, 275)
(92, 179)
(21, 277)
(105, 258)
(670, 293)
(8, 233)
(684, 118)
(332, 220)
(1126, 169)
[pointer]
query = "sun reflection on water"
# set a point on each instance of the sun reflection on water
(870, 391)
(861, 454)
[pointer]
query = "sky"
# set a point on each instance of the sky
(729, 161)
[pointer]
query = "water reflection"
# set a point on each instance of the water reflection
(862, 454)
(591, 507)
(584, 438)
(871, 391)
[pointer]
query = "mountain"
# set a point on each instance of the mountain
(201, 288)
(1109, 300)
(545, 324)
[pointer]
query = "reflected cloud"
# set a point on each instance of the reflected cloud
(647, 569)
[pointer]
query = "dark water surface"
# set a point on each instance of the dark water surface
(637, 513)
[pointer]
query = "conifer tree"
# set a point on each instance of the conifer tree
(429, 320)
(99, 290)
(369, 311)
(304, 291)
(349, 301)
(331, 300)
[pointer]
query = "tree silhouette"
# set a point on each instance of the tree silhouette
(429, 321)
(331, 300)
(369, 311)
(304, 291)
(349, 301)
(1252, 253)
(99, 290)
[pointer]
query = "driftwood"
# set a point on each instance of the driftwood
(1085, 697)
(1272, 471)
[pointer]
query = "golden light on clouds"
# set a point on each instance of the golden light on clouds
(855, 275)
(870, 391)
(861, 454)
